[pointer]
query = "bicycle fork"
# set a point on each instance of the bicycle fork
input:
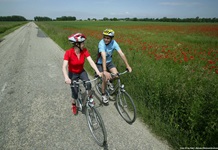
(93, 119)
(121, 98)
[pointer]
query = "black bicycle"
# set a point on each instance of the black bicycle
(124, 101)
(93, 117)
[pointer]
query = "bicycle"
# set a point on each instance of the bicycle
(124, 101)
(93, 117)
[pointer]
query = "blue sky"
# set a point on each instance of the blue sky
(83, 9)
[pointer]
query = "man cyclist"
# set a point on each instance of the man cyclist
(106, 47)
(73, 65)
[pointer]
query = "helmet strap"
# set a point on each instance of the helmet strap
(79, 46)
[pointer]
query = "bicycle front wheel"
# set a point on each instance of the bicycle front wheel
(96, 125)
(126, 107)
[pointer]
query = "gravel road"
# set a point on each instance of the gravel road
(35, 105)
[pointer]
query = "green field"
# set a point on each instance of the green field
(9, 26)
(175, 73)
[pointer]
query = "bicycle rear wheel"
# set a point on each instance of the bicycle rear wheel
(96, 125)
(126, 107)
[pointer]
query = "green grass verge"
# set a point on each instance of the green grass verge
(7, 27)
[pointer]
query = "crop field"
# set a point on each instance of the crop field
(174, 82)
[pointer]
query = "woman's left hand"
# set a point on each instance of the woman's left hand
(99, 74)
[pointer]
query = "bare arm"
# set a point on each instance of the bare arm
(65, 73)
(103, 55)
(93, 65)
(122, 55)
(106, 74)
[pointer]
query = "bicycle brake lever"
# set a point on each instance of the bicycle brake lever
(97, 76)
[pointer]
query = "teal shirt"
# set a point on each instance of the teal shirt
(109, 49)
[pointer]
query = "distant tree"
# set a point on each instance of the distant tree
(66, 18)
(134, 19)
(38, 18)
(105, 19)
(215, 20)
(164, 19)
(114, 19)
(12, 18)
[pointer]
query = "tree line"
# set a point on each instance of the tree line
(12, 18)
(63, 18)
(164, 19)
(73, 18)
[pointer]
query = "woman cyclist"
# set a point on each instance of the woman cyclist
(73, 65)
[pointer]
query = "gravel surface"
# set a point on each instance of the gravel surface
(35, 105)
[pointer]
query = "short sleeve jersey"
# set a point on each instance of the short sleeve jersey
(109, 49)
(75, 64)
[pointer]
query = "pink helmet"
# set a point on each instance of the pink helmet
(77, 38)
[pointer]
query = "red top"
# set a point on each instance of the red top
(75, 64)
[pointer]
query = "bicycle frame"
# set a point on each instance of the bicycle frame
(118, 86)
(93, 117)
(124, 101)
(80, 101)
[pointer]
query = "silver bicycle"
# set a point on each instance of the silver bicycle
(124, 101)
(93, 117)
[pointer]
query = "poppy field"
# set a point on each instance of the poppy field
(175, 73)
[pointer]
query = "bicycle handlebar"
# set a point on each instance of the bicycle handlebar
(85, 82)
(120, 73)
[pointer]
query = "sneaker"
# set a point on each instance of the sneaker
(74, 109)
(110, 85)
(105, 100)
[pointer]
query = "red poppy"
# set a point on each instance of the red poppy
(216, 71)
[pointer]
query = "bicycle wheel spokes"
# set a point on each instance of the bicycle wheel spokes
(126, 107)
(96, 125)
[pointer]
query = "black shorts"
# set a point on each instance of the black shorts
(108, 65)
(84, 77)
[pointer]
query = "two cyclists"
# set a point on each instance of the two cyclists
(74, 59)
